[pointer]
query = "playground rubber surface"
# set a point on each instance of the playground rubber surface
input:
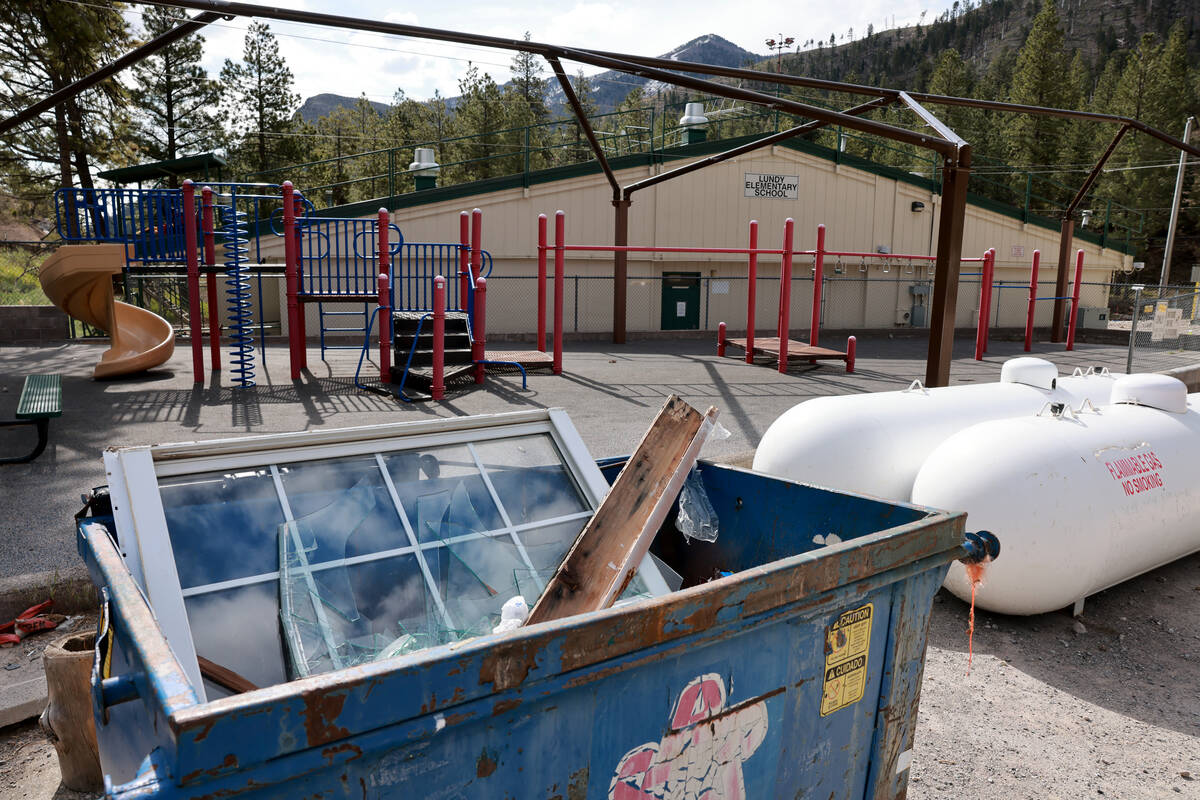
(1051, 709)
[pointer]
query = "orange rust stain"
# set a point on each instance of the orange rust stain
(507, 666)
(485, 765)
(230, 762)
(345, 747)
(975, 575)
(321, 711)
(504, 705)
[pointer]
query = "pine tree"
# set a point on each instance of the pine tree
(175, 97)
(527, 81)
(45, 46)
(260, 105)
(1038, 81)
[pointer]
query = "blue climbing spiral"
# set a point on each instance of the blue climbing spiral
(237, 293)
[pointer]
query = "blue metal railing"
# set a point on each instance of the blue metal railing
(147, 221)
(337, 256)
(419, 264)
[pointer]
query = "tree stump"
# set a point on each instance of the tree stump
(67, 720)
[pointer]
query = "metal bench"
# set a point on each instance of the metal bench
(41, 399)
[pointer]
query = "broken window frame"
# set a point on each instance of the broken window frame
(134, 474)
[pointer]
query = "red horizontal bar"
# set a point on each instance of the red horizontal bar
(631, 249)
(896, 256)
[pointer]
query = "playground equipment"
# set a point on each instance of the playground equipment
(78, 279)
(166, 232)
(1073, 299)
(876, 443)
(1083, 498)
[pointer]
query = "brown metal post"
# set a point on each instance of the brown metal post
(620, 268)
(945, 283)
(1060, 280)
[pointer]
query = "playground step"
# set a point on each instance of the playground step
(420, 379)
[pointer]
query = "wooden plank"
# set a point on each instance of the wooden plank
(606, 553)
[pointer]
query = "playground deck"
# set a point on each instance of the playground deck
(796, 351)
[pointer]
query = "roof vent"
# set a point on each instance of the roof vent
(1036, 372)
(424, 163)
(693, 116)
(1154, 391)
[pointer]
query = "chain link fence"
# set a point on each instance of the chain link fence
(1159, 321)
(19, 264)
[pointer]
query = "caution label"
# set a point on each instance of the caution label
(847, 651)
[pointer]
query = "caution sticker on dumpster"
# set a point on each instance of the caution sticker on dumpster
(847, 651)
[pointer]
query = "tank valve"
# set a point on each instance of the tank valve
(980, 546)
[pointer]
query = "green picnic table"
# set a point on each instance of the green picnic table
(41, 399)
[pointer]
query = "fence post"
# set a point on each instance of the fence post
(1075, 300)
(187, 215)
(385, 311)
(751, 290)
(464, 261)
(814, 328)
(785, 293)
(1137, 309)
(301, 320)
(479, 330)
(210, 258)
(1033, 290)
(291, 279)
(541, 284)
(560, 236)
(438, 389)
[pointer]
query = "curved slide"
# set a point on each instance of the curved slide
(78, 279)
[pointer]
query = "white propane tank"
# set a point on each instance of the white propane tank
(875, 443)
(1079, 501)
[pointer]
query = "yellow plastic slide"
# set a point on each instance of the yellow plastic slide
(78, 279)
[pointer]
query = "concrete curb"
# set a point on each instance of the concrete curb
(71, 590)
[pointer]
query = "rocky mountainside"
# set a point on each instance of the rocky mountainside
(321, 105)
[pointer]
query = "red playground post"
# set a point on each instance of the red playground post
(479, 340)
(385, 309)
(291, 274)
(814, 329)
(721, 339)
(298, 210)
(785, 293)
(476, 243)
(751, 291)
(438, 390)
(560, 241)
(464, 260)
(210, 259)
(541, 284)
(1033, 290)
(985, 304)
(851, 349)
(193, 279)
(1075, 300)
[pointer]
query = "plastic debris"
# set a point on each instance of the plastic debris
(696, 519)
(513, 614)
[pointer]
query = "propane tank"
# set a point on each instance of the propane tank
(875, 443)
(1080, 499)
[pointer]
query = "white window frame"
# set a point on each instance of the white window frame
(134, 473)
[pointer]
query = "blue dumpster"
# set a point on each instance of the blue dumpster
(789, 665)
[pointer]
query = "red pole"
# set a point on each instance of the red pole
(989, 268)
(291, 278)
(981, 324)
(560, 239)
(476, 243)
(1033, 290)
(210, 258)
(438, 390)
(385, 306)
(814, 330)
(301, 319)
(1075, 300)
(188, 220)
(751, 291)
(851, 351)
(721, 339)
(785, 293)
(541, 284)
(464, 258)
(479, 345)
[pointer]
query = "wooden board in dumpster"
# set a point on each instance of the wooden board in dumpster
(796, 674)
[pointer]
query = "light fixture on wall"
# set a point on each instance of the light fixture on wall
(918, 206)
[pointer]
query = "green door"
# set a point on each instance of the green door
(681, 301)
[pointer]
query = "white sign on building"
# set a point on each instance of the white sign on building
(780, 187)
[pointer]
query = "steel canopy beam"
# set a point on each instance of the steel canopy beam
(573, 100)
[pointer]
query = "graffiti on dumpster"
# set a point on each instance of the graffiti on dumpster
(701, 755)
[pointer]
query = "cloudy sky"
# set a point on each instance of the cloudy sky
(330, 60)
